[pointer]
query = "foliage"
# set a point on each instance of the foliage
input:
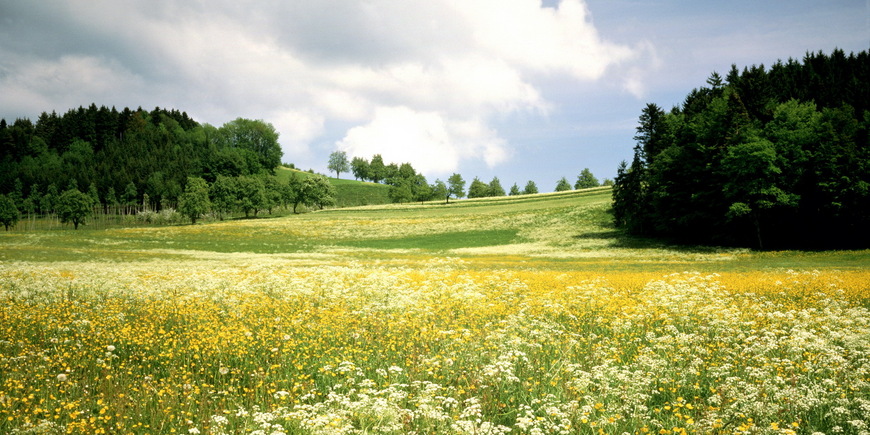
(338, 163)
(586, 180)
(768, 158)
(377, 169)
(131, 152)
(495, 188)
(563, 185)
(317, 191)
(73, 207)
(254, 136)
(531, 188)
(222, 195)
(456, 186)
(194, 202)
(250, 195)
(9, 214)
(360, 168)
(478, 189)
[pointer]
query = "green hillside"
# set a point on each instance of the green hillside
(350, 193)
(573, 229)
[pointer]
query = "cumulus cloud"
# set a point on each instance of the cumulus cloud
(416, 81)
(430, 142)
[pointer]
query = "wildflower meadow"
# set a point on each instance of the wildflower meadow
(522, 316)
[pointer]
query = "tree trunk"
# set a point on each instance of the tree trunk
(757, 222)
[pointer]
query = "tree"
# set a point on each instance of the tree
(94, 194)
(495, 188)
(478, 189)
(400, 191)
(377, 169)
(531, 188)
(439, 190)
(586, 180)
(48, 202)
(130, 197)
(294, 193)
(360, 168)
(515, 190)
(256, 136)
(223, 195)
(751, 189)
(250, 195)
(651, 131)
(563, 185)
(111, 200)
(273, 192)
(194, 202)
(9, 214)
(318, 191)
(421, 189)
(73, 207)
(457, 186)
(338, 163)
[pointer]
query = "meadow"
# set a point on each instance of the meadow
(516, 315)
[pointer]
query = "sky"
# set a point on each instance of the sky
(515, 89)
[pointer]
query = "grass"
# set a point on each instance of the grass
(349, 193)
(506, 315)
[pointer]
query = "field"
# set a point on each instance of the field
(519, 315)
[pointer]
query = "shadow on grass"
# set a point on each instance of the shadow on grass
(620, 239)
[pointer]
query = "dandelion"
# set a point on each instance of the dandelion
(62, 377)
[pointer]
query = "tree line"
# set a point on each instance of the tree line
(117, 153)
(407, 185)
(248, 194)
(766, 158)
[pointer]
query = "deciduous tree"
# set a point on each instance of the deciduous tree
(194, 202)
(338, 163)
(456, 186)
(9, 214)
(563, 185)
(531, 188)
(74, 207)
(586, 180)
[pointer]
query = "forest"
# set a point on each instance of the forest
(137, 153)
(766, 158)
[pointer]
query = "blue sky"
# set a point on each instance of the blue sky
(518, 89)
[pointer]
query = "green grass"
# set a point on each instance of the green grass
(569, 230)
(529, 311)
(349, 193)
(440, 242)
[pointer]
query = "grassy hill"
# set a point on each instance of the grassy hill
(528, 312)
(570, 229)
(350, 193)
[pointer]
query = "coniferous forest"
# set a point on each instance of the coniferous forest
(765, 158)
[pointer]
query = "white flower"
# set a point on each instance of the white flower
(110, 348)
(61, 377)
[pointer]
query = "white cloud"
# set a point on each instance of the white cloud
(431, 143)
(552, 40)
(416, 81)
